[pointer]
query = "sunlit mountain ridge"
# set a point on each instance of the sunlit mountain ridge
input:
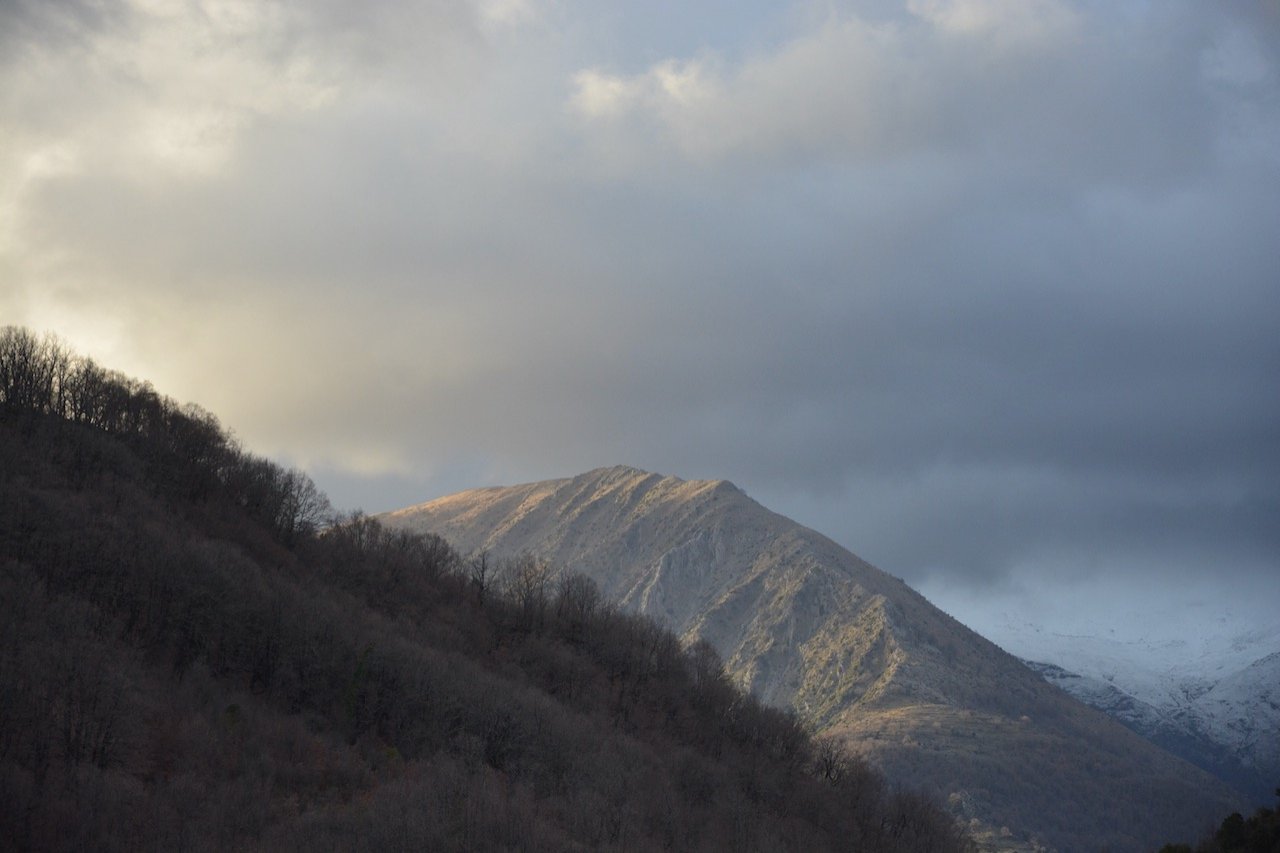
(806, 624)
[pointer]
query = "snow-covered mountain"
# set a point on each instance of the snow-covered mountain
(804, 623)
(1214, 701)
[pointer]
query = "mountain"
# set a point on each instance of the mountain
(1217, 705)
(805, 624)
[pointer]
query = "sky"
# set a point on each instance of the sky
(986, 290)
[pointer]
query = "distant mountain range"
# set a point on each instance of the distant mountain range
(1216, 704)
(857, 653)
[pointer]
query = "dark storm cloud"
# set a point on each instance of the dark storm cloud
(976, 287)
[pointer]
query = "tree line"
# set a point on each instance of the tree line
(1258, 833)
(189, 454)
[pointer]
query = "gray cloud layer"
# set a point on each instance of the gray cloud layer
(980, 287)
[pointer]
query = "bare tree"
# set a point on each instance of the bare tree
(27, 371)
(480, 574)
(831, 759)
(303, 507)
(526, 580)
(577, 600)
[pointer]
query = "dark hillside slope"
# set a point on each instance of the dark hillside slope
(188, 662)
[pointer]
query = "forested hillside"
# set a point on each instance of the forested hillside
(195, 656)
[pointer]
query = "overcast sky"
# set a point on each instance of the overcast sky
(986, 290)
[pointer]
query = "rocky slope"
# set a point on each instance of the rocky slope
(1226, 721)
(804, 623)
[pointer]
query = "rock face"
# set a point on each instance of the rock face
(799, 620)
(806, 624)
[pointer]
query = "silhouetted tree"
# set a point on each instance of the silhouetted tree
(526, 580)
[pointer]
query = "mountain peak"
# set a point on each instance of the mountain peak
(803, 623)
(612, 473)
